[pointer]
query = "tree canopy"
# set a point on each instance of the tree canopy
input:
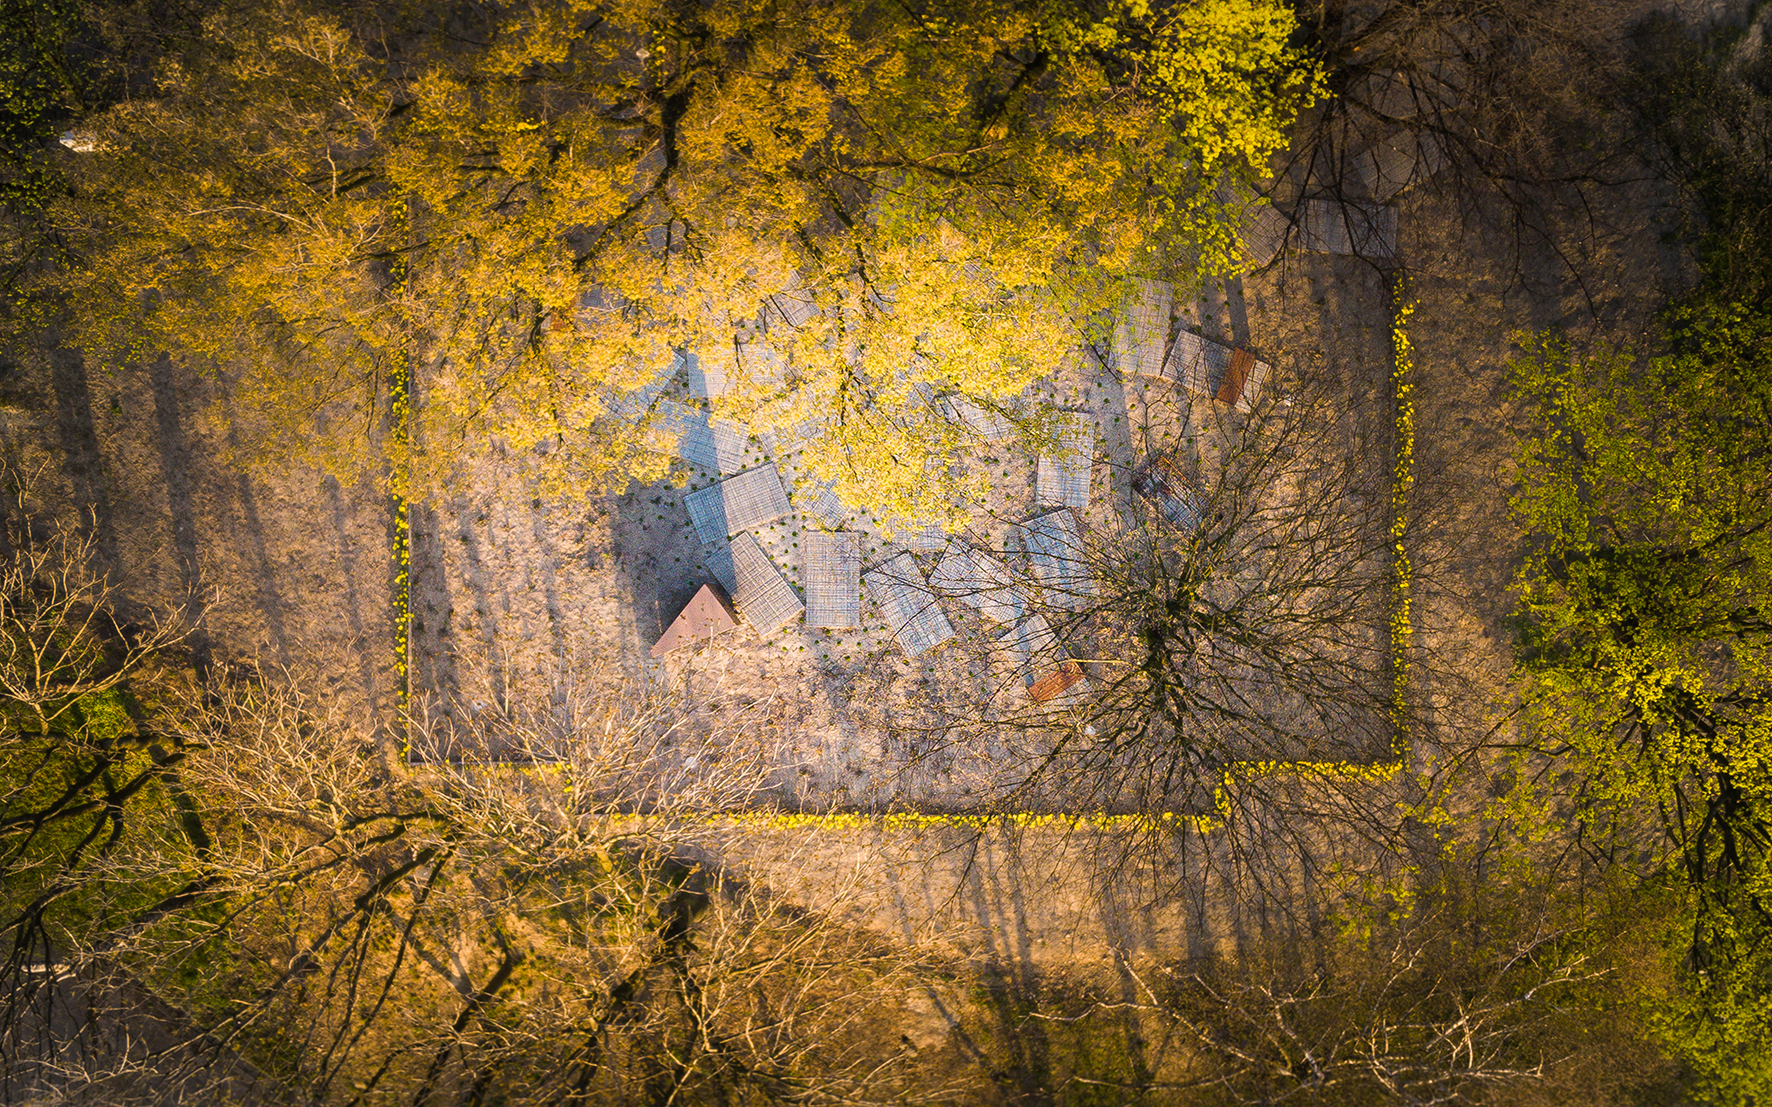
(529, 208)
(1646, 496)
(1647, 638)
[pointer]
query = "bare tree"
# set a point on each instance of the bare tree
(61, 646)
(79, 770)
(1498, 106)
(1416, 1011)
(1228, 606)
(330, 926)
(1472, 992)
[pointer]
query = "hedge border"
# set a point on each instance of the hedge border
(1402, 633)
(399, 491)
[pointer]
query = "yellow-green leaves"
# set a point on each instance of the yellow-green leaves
(961, 187)
(1646, 493)
(1225, 69)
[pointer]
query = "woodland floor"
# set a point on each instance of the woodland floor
(292, 569)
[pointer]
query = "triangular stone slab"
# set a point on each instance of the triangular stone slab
(705, 615)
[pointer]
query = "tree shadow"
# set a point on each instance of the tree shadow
(77, 435)
(175, 468)
(658, 561)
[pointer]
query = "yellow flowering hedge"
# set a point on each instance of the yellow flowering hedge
(400, 491)
(1402, 481)
(1401, 628)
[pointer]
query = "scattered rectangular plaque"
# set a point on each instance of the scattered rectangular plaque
(832, 578)
(1062, 476)
(740, 502)
(911, 610)
(764, 597)
(1054, 543)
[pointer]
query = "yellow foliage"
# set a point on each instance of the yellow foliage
(573, 191)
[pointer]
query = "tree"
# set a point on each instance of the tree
(1235, 614)
(220, 890)
(1458, 994)
(528, 211)
(1504, 111)
(1644, 491)
(82, 781)
(1465, 984)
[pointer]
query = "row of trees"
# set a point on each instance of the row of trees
(222, 892)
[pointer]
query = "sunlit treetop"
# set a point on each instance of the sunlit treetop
(533, 207)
